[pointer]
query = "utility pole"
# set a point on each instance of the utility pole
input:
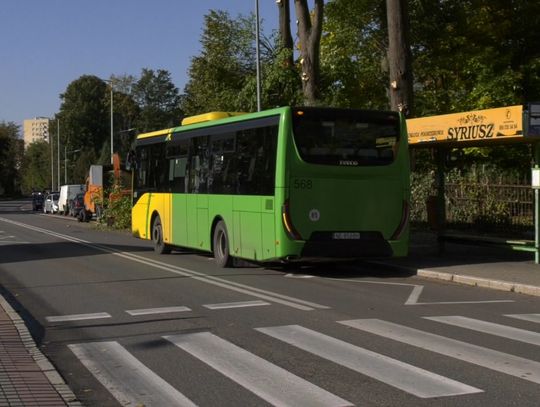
(58, 143)
(52, 160)
(258, 56)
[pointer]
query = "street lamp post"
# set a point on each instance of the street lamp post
(66, 161)
(58, 145)
(52, 160)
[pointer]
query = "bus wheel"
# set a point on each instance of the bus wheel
(157, 236)
(221, 246)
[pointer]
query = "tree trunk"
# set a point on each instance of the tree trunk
(309, 34)
(285, 25)
(399, 57)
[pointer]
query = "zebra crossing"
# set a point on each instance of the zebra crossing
(132, 383)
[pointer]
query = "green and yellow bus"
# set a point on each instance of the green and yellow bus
(282, 185)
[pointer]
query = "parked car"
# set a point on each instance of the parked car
(76, 204)
(68, 192)
(37, 201)
(50, 205)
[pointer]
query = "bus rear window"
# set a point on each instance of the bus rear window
(346, 137)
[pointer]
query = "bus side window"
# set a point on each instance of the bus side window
(177, 153)
(222, 168)
(199, 165)
(257, 160)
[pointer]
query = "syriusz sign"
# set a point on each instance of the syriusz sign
(476, 127)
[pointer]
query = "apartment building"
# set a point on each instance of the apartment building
(35, 129)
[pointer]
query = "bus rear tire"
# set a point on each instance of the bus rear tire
(221, 246)
(160, 246)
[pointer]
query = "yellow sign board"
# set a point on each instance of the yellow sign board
(476, 127)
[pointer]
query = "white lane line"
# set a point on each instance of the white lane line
(78, 317)
(491, 359)
(126, 378)
(526, 317)
(220, 282)
(227, 305)
(161, 310)
(503, 331)
(270, 382)
(7, 237)
(409, 378)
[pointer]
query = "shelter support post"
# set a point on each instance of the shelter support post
(440, 154)
(536, 153)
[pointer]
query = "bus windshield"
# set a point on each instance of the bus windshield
(346, 137)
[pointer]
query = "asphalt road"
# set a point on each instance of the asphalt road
(125, 326)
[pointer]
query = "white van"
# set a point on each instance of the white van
(68, 192)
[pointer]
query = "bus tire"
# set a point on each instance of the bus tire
(221, 246)
(160, 246)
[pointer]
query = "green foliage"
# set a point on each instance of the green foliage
(158, 100)
(218, 75)
(223, 76)
(480, 197)
(353, 54)
(116, 208)
(84, 115)
(36, 168)
(11, 154)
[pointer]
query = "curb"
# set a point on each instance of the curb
(43, 363)
(466, 280)
(480, 282)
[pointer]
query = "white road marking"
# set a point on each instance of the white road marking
(406, 377)
(491, 359)
(503, 331)
(161, 310)
(128, 380)
(220, 282)
(291, 275)
(78, 317)
(414, 296)
(227, 305)
(526, 317)
(270, 382)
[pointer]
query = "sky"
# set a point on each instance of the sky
(47, 44)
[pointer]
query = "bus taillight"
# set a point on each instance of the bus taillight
(286, 216)
(403, 222)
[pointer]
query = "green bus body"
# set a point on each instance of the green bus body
(284, 202)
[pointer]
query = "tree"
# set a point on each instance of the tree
(399, 57)
(158, 100)
(309, 34)
(11, 149)
(353, 55)
(225, 67)
(84, 114)
(36, 168)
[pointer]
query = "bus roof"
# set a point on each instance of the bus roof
(206, 117)
(203, 119)
(156, 133)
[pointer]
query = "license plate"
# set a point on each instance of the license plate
(346, 236)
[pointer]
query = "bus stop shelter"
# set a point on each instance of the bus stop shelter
(480, 128)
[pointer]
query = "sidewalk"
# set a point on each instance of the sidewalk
(483, 266)
(27, 378)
